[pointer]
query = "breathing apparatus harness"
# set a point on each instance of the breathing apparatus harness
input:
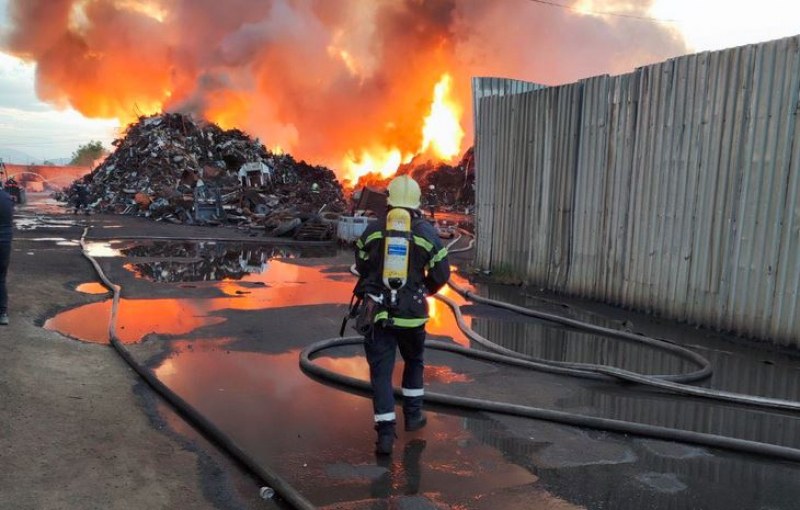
(394, 274)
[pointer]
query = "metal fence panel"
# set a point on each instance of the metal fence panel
(673, 189)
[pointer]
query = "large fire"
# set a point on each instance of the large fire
(442, 132)
(441, 136)
(381, 161)
(356, 85)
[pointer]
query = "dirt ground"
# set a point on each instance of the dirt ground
(78, 429)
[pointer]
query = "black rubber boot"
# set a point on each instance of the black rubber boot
(386, 435)
(414, 418)
(415, 421)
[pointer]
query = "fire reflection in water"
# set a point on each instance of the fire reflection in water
(92, 288)
(322, 436)
(282, 284)
(442, 320)
(136, 318)
(208, 260)
(287, 285)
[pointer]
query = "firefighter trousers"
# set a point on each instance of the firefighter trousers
(380, 349)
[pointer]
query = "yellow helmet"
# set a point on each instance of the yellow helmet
(404, 192)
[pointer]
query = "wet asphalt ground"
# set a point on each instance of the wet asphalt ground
(222, 324)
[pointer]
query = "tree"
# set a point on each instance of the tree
(88, 153)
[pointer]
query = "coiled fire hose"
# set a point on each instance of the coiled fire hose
(509, 357)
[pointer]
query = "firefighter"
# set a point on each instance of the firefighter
(6, 228)
(81, 197)
(432, 201)
(13, 189)
(401, 261)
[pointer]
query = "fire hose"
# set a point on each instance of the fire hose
(668, 382)
(502, 355)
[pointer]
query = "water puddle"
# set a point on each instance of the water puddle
(104, 249)
(442, 322)
(24, 223)
(92, 288)
(59, 241)
(274, 411)
(42, 212)
(171, 262)
(248, 277)
(136, 319)
(284, 285)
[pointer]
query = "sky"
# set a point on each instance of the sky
(44, 131)
(38, 129)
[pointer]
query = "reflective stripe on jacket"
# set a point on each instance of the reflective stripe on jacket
(428, 271)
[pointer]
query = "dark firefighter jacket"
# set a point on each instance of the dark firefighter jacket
(428, 271)
(6, 217)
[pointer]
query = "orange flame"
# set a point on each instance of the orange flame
(226, 108)
(382, 161)
(441, 138)
(355, 97)
(442, 133)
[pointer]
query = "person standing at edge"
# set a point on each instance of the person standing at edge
(399, 321)
(6, 229)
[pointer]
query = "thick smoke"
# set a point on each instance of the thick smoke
(320, 78)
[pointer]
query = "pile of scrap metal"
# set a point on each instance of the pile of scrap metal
(170, 167)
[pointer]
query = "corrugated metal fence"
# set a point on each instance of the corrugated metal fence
(671, 189)
(488, 87)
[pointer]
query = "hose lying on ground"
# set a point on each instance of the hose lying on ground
(282, 488)
(580, 369)
(474, 404)
(589, 370)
